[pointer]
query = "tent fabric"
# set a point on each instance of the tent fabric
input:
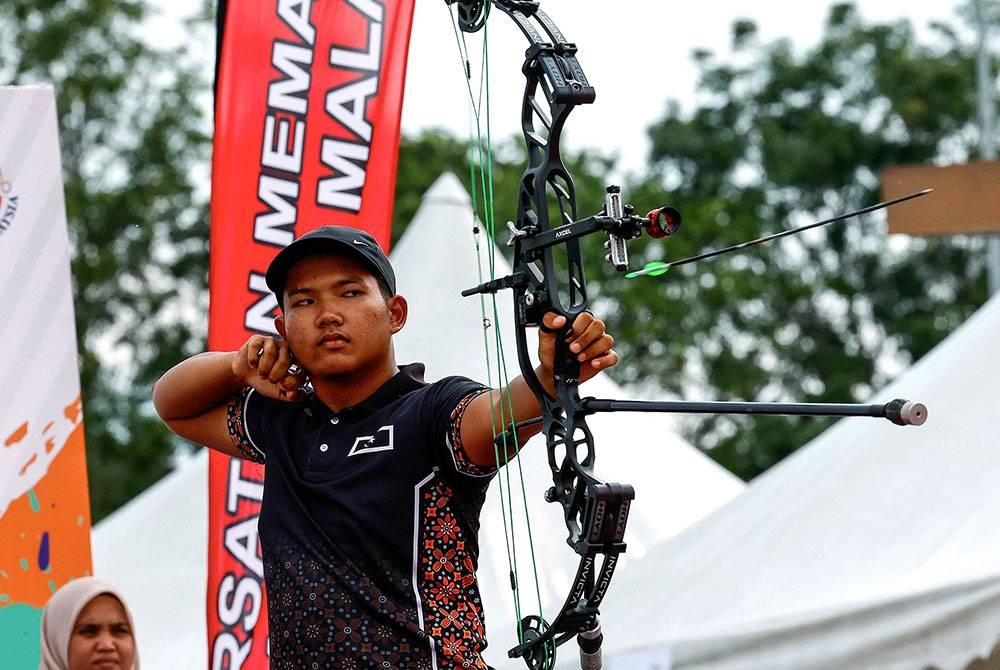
(873, 546)
(153, 548)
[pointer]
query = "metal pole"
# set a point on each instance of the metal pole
(987, 141)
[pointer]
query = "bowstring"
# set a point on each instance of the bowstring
(481, 170)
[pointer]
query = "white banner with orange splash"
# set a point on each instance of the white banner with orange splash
(44, 505)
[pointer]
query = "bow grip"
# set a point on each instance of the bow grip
(565, 367)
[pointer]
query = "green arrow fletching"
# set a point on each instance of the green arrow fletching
(654, 269)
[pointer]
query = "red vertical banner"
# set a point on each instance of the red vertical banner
(308, 100)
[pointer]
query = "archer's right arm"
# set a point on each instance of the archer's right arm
(192, 397)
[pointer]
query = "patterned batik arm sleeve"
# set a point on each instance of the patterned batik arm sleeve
(237, 427)
(462, 461)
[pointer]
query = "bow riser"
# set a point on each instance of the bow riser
(555, 282)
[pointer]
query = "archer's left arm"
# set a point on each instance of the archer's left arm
(587, 339)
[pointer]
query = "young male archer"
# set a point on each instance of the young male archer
(374, 479)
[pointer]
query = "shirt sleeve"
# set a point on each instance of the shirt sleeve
(451, 397)
(243, 418)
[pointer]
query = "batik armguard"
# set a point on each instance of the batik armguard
(462, 461)
(237, 427)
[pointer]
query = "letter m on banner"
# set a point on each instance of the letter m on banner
(308, 99)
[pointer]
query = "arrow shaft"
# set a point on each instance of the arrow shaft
(785, 233)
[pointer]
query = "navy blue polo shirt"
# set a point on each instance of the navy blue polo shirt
(369, 526)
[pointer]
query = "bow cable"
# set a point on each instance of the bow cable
(505, 441)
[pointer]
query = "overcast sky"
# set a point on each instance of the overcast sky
(636, 53)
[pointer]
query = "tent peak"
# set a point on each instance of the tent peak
(447, 189)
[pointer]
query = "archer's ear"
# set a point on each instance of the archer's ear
(398, 309)
(279, 325)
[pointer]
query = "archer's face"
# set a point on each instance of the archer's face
(335, 319)
(102, 637)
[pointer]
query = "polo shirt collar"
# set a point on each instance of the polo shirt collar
(408, 379)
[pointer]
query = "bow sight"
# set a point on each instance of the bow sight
(543, 281)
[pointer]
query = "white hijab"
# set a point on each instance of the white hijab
(60, 616)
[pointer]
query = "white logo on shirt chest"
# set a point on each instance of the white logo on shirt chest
(382, 440)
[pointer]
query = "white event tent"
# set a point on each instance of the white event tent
(874, 546)
(154, 547)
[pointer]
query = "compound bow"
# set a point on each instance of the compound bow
(548, 276)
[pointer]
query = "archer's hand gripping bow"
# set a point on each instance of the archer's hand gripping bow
(595, 512)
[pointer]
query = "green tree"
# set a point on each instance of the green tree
(422, 158)
(777, 139)
(131, 132)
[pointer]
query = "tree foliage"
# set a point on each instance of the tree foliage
(779, 138)
(424, 157)
(131, 132)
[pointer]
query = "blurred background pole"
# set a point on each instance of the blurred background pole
(987, 141)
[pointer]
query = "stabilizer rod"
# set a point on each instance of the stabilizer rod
(900, 412)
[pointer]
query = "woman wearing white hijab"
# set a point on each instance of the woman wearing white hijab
(86, 625)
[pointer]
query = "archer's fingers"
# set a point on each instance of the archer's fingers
(589, 335)
(596, 349)
(604, 361)
(583, 321)
(551, 323)
(267, 356)
(293, 380)
(252, 350)
(279, 370)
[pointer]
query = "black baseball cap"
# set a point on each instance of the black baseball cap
(330, 239)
